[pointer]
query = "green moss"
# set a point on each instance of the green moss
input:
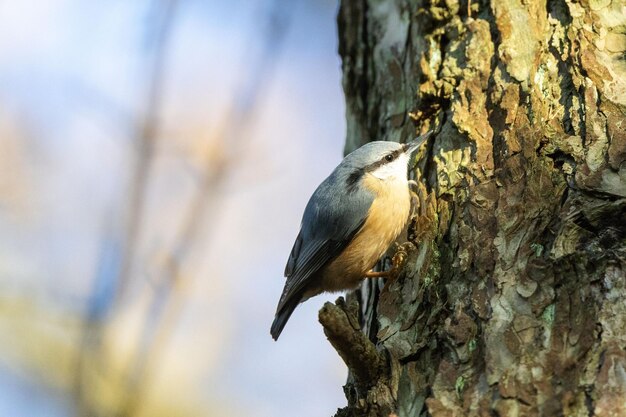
(459, 386)
(434, 269)
(548, 314)
(472, 345)
(537, 248)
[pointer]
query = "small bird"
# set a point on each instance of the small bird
(349, 223)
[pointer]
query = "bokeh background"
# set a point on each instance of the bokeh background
(155, 159)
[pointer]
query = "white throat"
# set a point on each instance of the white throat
(396, 170)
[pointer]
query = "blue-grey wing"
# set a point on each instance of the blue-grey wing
(331, 220)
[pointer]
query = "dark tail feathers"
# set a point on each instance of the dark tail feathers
(282, 317)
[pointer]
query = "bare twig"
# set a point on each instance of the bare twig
(357, 351)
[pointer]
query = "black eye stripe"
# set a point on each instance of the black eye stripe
(383, 160)
(391, 156)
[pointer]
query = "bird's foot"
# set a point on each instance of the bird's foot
(397, 262)
(377, 274)
(399, 257)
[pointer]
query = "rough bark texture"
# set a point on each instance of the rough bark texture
(514, 301)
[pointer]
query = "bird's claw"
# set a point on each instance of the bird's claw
(397, 262)
(400, 256)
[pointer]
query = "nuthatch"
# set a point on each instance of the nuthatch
(348, 224)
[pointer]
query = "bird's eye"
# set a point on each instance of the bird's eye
(389, 157)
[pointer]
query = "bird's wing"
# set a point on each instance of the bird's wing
(310, 259)
(329, 224)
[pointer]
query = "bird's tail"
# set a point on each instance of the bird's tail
(282, 316)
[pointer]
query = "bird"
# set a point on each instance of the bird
(350, 221)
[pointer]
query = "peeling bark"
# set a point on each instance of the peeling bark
(513, 302)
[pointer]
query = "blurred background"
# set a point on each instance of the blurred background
(155, 160)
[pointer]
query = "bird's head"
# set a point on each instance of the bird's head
(385, 161)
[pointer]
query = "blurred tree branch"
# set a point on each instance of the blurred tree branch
(204, 207)
(118, 258)
(112, 281)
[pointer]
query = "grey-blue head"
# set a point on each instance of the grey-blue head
(384, 160)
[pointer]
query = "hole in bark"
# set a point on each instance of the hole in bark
(589, 403)
(560, 158)
(557, 9)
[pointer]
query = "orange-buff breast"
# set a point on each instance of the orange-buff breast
(386, 218)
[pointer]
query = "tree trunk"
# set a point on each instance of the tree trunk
(513, 299)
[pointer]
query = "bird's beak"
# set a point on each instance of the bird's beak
(410, 147)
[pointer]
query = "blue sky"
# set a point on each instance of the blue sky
(72, 82)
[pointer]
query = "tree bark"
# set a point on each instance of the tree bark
(513, 300)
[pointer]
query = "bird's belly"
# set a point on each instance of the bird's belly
(386, 219)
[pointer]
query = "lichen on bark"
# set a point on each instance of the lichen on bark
(512, 302)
